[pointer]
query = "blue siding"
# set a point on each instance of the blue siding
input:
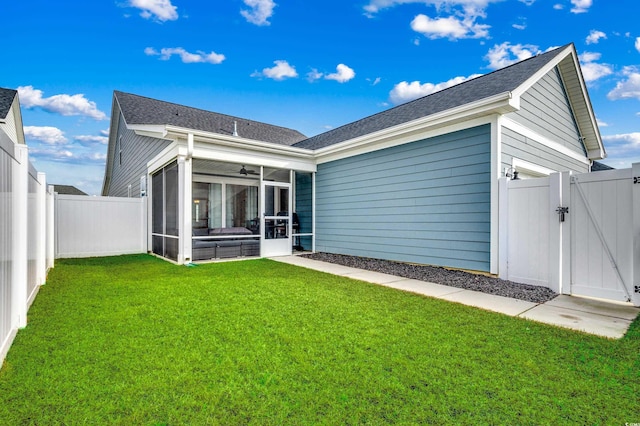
(545, 108)
(425, 202)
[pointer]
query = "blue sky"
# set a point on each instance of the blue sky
(306, 65)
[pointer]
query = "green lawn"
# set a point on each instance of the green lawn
(136, 340)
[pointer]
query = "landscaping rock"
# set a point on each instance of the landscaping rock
(438, 275)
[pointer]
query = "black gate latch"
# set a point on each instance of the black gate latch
(562, 211)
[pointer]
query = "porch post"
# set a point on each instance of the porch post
(635, 189)
(313, 212)
(184, 209)
(185, 198)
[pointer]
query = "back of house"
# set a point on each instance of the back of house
(415, 183)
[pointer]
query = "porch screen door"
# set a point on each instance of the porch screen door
(276, 226)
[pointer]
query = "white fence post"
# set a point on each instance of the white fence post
(565, 236)
(41, 257)
(20, 191)
(51, 254)
(555, 233)
(503, 228)
(559, 233)
(635, 295)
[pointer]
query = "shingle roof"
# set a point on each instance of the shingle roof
(146, 111)
(68, 190)
(504, 80)
(6, 100)
(598, 167)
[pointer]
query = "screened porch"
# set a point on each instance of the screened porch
(235, 210)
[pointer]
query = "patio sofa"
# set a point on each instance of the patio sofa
(220, 244)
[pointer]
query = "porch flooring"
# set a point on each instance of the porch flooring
(598, 317)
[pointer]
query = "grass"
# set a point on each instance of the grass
(136, 340)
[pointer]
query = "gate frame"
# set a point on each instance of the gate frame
(560, 233)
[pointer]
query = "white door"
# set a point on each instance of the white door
(276, 219)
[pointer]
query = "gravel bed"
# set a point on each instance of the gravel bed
(453, 278)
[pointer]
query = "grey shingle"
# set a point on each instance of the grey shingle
(141, 110)
(6, 100)
(500, 81)
(598, 167)
(68, 190)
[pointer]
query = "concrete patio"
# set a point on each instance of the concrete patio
(598, 317)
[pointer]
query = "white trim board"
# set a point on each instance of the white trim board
(508, 123)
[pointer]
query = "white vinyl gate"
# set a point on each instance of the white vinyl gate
(576, 234)
(601, 237)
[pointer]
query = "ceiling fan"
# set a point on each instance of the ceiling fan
(245, 172)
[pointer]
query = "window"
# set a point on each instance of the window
(120, 151)
(224, 205)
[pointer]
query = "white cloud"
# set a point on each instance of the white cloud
(502, 55)
(51, 154)
(469, 7)
(622, 144)
(279, 72)
(91, 139)
(558, 6)
(314, 75)
(45, 134)
(456, 18)
(591, 70)
(528, 2)
(581, 6)
(162, 10)
(638, 44)
(452, 28)
(601, 123)
(629, 88)
(405, 92)
(342, 75)
(519, 26)
(66, 105)
(261, 11)
(595, 36)
(188, 58)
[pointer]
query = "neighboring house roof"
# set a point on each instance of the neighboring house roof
(10, 115)
(139, 110)
(514, 79)
(68, 190)
(598, 167)
(6, 100)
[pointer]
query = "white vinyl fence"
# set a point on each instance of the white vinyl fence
(99, 226)
(576, 234)
(25, 231)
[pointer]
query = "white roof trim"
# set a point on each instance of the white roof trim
(556, 146)
(174, 132)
